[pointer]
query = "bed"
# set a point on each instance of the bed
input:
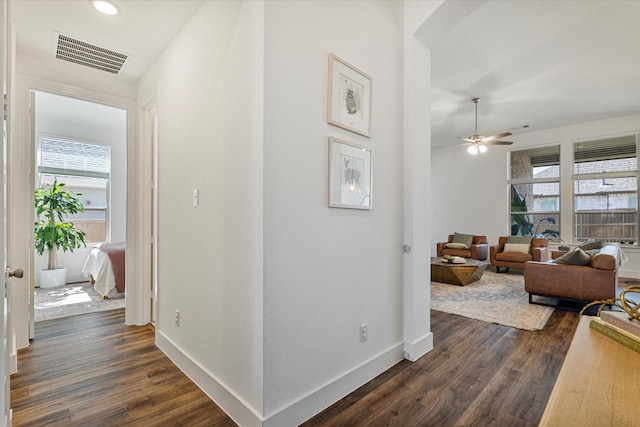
(105, 268)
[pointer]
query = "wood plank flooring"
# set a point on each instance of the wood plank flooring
(91, 370)
(478, 374)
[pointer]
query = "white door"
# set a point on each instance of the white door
(5, 403)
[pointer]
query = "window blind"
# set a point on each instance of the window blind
(73, 156)
(540, 163)
(617, 154)
(543, 156)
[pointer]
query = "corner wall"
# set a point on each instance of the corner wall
(271, 284)
(329, 270)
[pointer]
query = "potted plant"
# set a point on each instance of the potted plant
(53, 205)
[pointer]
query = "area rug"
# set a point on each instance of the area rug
(71, 300)
(497, 298)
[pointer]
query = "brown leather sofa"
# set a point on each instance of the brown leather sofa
(593, 282)
(479, 248)
(499, 258)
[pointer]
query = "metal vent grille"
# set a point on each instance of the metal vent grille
(89, 55)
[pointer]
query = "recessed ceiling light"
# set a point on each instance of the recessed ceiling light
(105, 7)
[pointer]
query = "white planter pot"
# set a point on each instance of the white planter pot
(53, 278)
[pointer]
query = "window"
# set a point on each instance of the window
(84, 168)
(535, 192)
(605, 190)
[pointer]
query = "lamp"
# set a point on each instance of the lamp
(476, 148)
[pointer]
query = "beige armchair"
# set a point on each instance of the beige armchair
(513, 256)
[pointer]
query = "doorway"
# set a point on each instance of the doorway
(84, 145)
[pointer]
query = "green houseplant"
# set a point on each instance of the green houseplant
(521, 225)
(53, 204)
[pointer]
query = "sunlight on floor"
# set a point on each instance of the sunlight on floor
(65, 296)
(73, 299)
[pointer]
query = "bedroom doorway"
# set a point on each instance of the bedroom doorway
(84, 145)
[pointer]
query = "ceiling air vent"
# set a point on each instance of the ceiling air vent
(87, 54)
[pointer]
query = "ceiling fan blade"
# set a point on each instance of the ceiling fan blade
(480, 141)
(498, 142)
(494, 137)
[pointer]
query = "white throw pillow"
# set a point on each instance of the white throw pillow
(520, 248)
(456, 246)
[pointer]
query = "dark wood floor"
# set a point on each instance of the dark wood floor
(478, 374)
(92, 370)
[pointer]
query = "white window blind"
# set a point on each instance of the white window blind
(59, 154)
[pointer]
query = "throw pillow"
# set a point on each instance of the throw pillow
(521, 248)
(592, 244)
(456, 246)
(593, 252)
(467, 239)
(519, 239)
(575, 257)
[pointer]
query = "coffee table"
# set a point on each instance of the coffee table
(457, 274)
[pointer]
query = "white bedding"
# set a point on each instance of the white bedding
(98, 266)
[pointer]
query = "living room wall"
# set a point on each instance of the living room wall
(480, 203)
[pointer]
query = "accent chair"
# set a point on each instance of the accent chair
(464, 245)
(513, 252)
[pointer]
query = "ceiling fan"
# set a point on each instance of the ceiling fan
(478, 143)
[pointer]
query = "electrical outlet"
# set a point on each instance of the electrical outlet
(177, 318)
(363, 332)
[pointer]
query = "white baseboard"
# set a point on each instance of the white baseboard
(298, 411)
(76, 278)
(414, 351)
(334, 390)
(240, 411)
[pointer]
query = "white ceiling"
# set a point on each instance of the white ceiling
(532, 62)
(538, 63)
(142, 29)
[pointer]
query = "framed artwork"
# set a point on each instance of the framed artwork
(350, 175)
(349, 98)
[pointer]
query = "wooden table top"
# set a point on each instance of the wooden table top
(470, 262)
(598, 385)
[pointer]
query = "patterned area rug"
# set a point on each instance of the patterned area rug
(72, 299)
(496, 298)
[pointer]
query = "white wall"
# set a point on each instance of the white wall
(77, 119)
(209, 86)
(469, 194)
(473, 197)
(329, 270)
(270, 312)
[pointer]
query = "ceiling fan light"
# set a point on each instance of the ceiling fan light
(482, 148)
(473, 150)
